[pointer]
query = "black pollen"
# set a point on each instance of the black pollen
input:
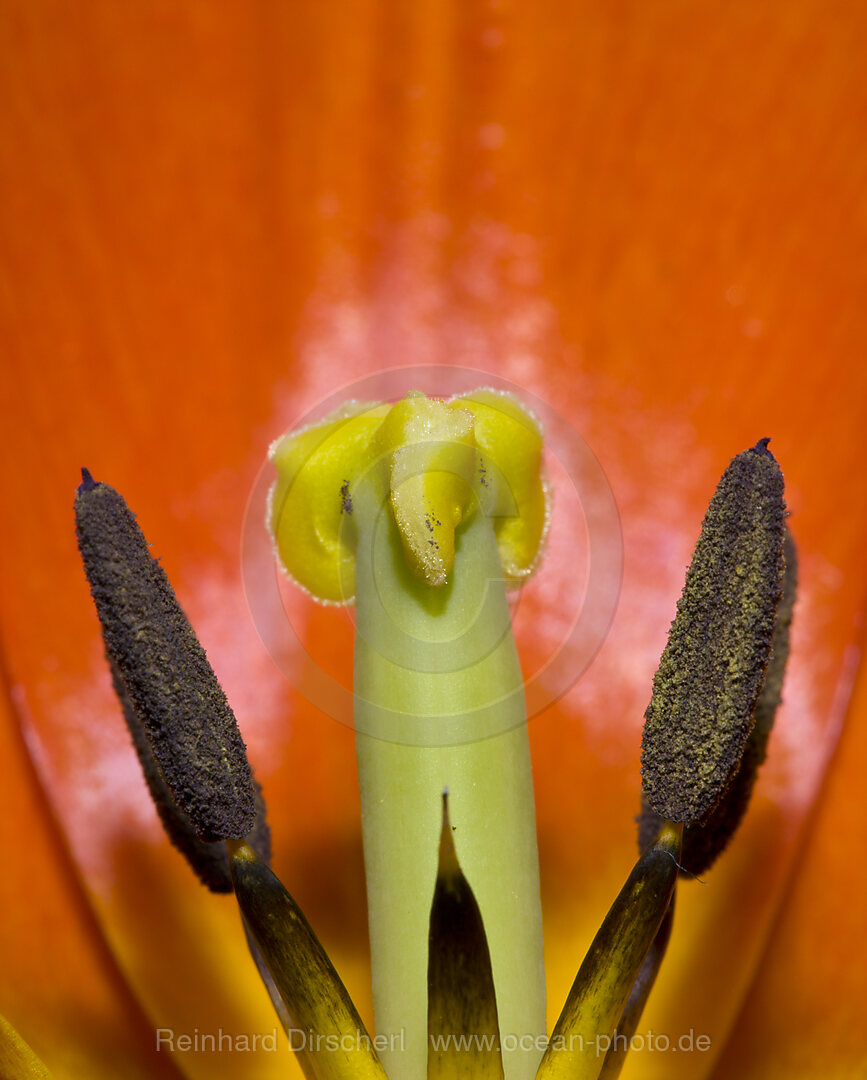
(171, 687)
(712, 669)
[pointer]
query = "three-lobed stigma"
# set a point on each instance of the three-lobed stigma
(431, 464)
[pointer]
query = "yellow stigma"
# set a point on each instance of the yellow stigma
(439, 461)
(509, 439)
(430, 453)
(310, 507)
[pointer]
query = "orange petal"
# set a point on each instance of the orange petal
(61, 987)
(652, 218)
(806, 1013)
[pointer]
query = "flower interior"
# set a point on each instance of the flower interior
(423, 513)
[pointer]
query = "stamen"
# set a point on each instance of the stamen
(463, 1029)
(711, 672)
(629, 1021)
(209, 860)
(163, 669)
(328, 1031)
(606, 978)
(705, 841)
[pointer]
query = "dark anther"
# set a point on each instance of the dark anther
(713, 667)
(163, 672)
